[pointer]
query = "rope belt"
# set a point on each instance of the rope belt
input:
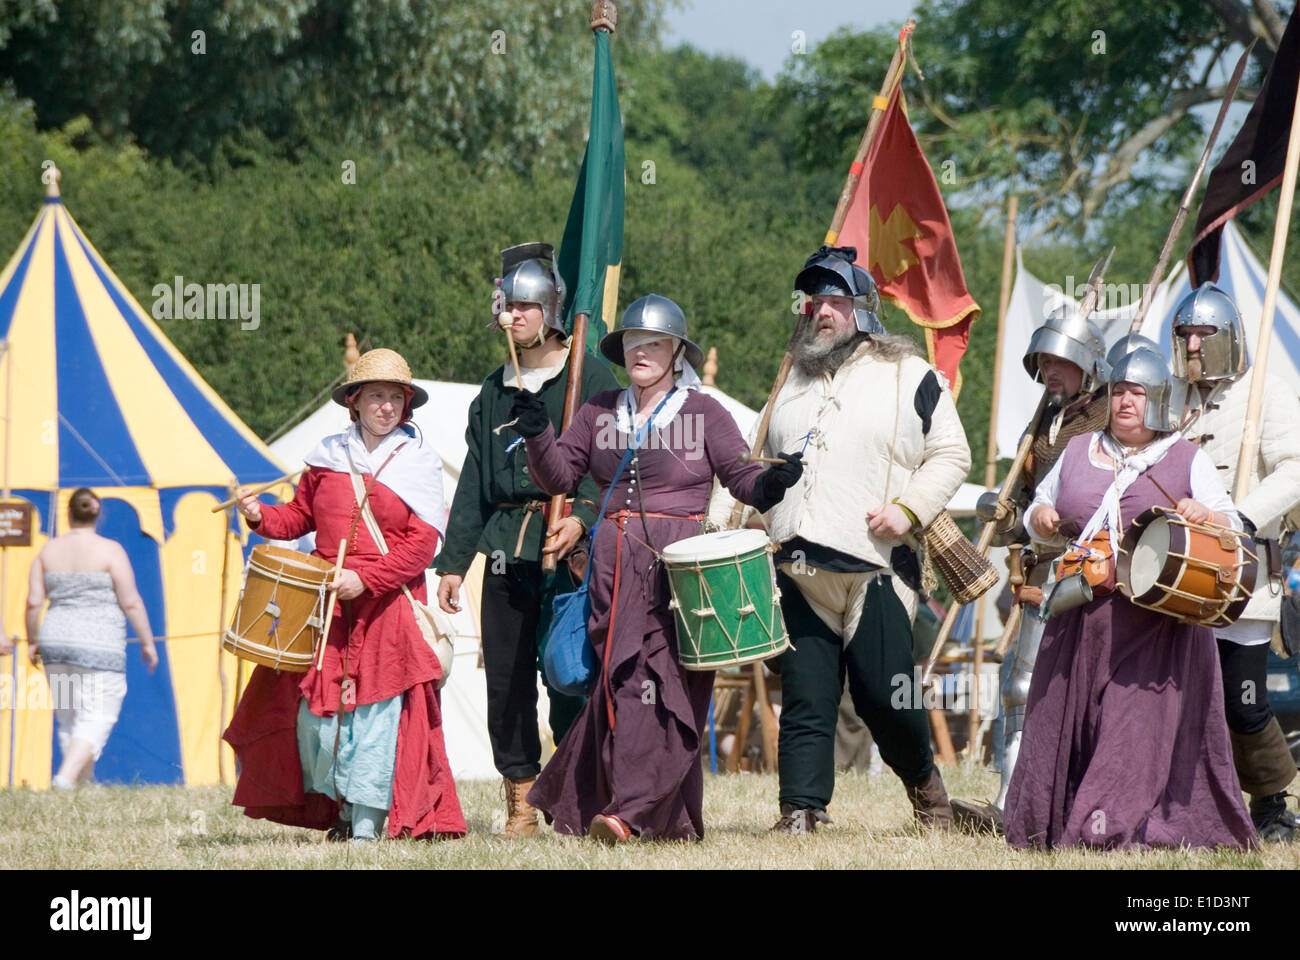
(529, 507)
(621, 518)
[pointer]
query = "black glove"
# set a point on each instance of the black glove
(529, 414)
(773, 482)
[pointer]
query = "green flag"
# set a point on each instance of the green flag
(593, 234)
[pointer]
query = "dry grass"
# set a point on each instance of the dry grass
(197, 828)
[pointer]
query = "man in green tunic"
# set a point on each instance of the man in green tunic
(500, 512)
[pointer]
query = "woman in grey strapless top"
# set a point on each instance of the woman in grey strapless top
(84, 625)
(88, 583)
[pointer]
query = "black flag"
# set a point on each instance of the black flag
(1253, 164)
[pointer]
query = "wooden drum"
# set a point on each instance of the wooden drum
(281, 609)
(1194, 572)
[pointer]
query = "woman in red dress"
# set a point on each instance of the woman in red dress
(360, 739)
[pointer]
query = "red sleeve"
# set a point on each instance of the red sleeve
(295, 518)
(410, 553)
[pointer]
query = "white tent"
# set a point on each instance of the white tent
(1240, 274)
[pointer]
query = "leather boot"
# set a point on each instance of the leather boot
(930, 802)
(1263, 760)
(521, 819)
(977, 817)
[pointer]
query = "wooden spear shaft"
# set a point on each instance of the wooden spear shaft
(986, 535)
(893, 77)
(1250, 433)
(1157, 272)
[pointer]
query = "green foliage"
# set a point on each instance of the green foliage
(228, 167)
(507, 87)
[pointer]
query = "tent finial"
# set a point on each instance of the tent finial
(51, 175)
(350, 352)
(710, 371)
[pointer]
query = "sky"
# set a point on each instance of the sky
(760, 31)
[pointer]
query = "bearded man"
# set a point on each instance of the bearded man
(884, 452)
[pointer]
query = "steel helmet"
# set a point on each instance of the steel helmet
(1127, 344)
(831, 271)
(1071, 337)
(1148, 369)
(655, 314)
(1223, 352)
(529, 275)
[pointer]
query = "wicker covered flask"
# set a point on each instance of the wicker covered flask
(965, 570)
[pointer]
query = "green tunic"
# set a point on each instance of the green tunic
(491, 476)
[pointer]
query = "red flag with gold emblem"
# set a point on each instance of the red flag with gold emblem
(899, 224)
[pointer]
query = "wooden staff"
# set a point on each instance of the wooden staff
(893, 77)
(991, 451)
(603, 16)
(329, 608)
(260, 488)
(1250, 433)
(1180, 217)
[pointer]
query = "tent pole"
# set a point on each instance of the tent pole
(4, 563)
(221, 626)
(991, 466)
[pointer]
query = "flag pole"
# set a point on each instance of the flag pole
(1250, 432)
(893, 77)
(603, 16)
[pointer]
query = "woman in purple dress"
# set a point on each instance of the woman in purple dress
(1125, 742)
(630, 764)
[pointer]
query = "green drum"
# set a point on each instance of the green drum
(725, 599)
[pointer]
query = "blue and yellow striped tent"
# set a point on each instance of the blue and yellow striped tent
(95, 395)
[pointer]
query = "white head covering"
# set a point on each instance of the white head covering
(415, 474)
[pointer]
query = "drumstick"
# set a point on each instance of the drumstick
(329, 610)
(748, 458)
(260, 488)
(514, 357)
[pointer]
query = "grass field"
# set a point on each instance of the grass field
(197, 828)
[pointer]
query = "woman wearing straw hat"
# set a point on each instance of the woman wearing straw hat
(646, 780)
(359, 738)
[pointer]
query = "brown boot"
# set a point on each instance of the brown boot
(930, 802)
(521, 819)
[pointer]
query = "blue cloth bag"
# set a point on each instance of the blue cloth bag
(570, 659)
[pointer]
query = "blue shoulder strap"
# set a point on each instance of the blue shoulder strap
(634, 444)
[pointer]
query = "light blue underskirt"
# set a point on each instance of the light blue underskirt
(367, 752)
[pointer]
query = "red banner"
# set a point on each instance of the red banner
(899, 222)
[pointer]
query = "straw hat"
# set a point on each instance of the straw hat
(380, 366)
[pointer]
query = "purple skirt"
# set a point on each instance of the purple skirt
(1125, 743)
